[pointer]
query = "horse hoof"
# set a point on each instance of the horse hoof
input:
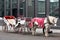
(50, 32)
(46, 35)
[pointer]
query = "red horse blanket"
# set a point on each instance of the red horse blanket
(40, 22)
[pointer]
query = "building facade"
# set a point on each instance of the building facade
(29, 8)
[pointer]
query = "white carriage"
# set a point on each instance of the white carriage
(9, 23)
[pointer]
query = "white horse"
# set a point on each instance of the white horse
(50, 20)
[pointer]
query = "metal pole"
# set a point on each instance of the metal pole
(35, 8)
(47, 6)
(11, 7)
(4, 7)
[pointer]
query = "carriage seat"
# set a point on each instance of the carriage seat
(9, 17)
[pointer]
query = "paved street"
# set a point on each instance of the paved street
(19, 36)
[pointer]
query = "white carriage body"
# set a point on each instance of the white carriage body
(10, 20)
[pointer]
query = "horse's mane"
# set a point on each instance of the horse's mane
(49, 20)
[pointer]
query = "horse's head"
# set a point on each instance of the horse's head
(51, 20)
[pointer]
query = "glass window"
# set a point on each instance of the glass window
(1, 8)
(54, 6)
(7, 7)
(14, 3)
(7, 4)
(41, 8)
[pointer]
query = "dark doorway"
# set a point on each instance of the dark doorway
(21, 11)
(2, 14)
(14, 12)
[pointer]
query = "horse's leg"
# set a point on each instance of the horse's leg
(46, 30)
(49, 30)
(17, 28)
(28, 29)
(33, 30)
(24, 29)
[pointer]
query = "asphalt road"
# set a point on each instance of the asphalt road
(26, 36)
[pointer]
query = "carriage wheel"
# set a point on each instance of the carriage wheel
(22, 29)
(5, 28)
(16, 29)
